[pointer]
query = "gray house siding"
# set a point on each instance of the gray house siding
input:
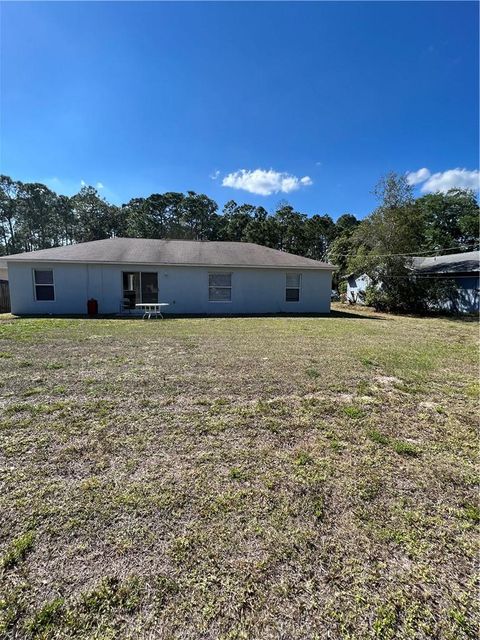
(254, 290)
(467, 298)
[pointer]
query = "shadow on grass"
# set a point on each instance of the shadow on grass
(344, 315)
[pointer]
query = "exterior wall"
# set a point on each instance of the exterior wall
(3, 274)
(468, 296)
(184, 288)
(356, 286)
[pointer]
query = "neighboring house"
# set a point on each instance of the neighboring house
(3, 270)
(194, 277)
(462, 268)
(356, 287)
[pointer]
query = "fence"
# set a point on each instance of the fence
(4, 297)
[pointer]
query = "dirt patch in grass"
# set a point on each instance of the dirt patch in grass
(238, 478)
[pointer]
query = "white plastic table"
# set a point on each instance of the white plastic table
(152, 309)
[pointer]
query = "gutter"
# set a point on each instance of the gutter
(173, 264)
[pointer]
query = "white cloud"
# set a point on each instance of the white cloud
(452, 179)
(415, 177)
(214, 175)
(83, 183)
(99, 185)
(444, 180)
(263, 182)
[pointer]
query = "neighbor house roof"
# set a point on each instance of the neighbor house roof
(172, 252)
(453, 263)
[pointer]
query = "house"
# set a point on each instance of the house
(461, 268)
(193, 277)
(356, 287)
(3, 271)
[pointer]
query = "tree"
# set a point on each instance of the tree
(199, 217)
(9, 215)
(451, 219)
(385, 240)
(94, 217)
(38, 216)
(319, 233)
(345, 223)
(393, 191)
(66, 219)
(290, 228)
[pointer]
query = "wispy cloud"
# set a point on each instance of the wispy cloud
(444, 180)
(99, 185)
(416, 177)
(263, 182)
(214, 175)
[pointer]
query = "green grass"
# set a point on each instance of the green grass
(239, 478)
(17, 550)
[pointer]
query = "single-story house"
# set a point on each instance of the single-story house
(462, 268)
(193, 277)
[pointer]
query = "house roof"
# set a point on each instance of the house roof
(172, 252)
(453, 263)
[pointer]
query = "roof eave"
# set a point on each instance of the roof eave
(175, 264)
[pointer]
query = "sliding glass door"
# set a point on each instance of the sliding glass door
(140, 287)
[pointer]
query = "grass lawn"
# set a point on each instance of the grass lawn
(250, 478)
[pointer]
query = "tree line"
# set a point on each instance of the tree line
(32, 217)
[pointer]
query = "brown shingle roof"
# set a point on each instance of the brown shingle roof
(172, 252)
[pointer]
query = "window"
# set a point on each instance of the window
(220, 287)
(44, 287)
(292, 287)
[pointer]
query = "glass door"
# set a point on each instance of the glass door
(139, 287)
(149, 286)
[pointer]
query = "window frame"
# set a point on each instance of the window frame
(35, 285)
(220, 273)
(299, 288)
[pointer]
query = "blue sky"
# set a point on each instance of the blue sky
(313, 101)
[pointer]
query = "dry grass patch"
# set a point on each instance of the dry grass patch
(238, 478)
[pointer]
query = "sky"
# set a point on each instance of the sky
(257, 102)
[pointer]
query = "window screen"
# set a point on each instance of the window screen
(292, 287)
(219, 287)
(44, 287)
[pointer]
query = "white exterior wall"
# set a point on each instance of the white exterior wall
(254, 290)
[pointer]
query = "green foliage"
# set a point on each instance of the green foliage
(405, 449)
(353, 412)
(46, 618)
(399, 228)
(378, 437)
(471, 512)
(17, 550)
